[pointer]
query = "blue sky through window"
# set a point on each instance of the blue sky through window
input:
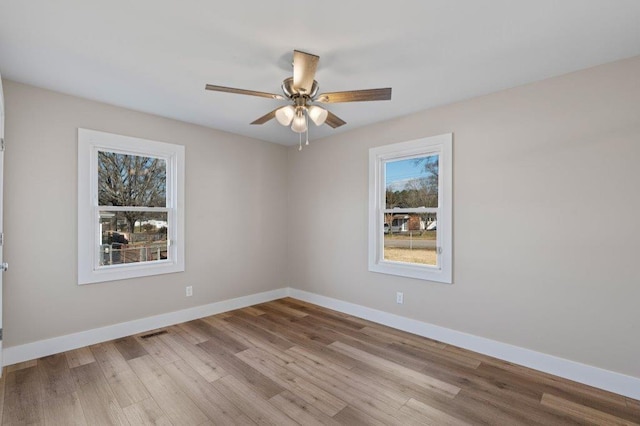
(399, 173)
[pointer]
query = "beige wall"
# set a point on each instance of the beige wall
(546, 217)
(235, 196)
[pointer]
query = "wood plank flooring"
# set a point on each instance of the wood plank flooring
(289, 362)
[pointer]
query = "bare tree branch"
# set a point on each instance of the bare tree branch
(131, 181)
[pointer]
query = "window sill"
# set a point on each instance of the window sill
(123, 272)
(410, 270)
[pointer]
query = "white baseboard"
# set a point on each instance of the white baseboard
(593, 376)
(29, 351)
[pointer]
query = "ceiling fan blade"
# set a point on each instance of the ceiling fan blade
(268, 116)
(242, 92)
(355, 96)
(304, 71)
(334, 121)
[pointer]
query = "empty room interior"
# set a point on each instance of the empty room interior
(423, 212)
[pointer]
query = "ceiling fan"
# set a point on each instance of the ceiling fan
(302, 91)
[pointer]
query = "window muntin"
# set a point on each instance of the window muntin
(410, 209)
(130, 208)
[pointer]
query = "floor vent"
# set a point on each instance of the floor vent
(157, 333)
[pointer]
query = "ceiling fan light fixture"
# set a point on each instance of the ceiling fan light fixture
(299, 124)
(285, 115)
(301, 90)
(317, 114)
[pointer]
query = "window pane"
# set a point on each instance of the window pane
(132, 237)
(131, 180)
(412, 183)
(411, 238)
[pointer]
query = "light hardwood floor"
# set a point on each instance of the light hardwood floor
(290, 362)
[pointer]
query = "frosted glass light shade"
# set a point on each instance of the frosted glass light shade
(285, 115)
(317, 115)
(299, 124)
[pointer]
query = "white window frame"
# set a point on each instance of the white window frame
(89, 238)
(442, 146)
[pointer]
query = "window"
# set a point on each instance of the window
(410, 214)
(130, 207)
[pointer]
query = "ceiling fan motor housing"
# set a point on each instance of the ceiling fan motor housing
(292, 92)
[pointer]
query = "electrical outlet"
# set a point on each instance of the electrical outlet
(399, 298)
(189, 291)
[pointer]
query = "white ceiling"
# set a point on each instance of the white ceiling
(157, 55)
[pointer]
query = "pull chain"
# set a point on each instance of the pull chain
(300, 143)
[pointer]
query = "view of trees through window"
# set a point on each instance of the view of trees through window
(410, 215)
(132, 199)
